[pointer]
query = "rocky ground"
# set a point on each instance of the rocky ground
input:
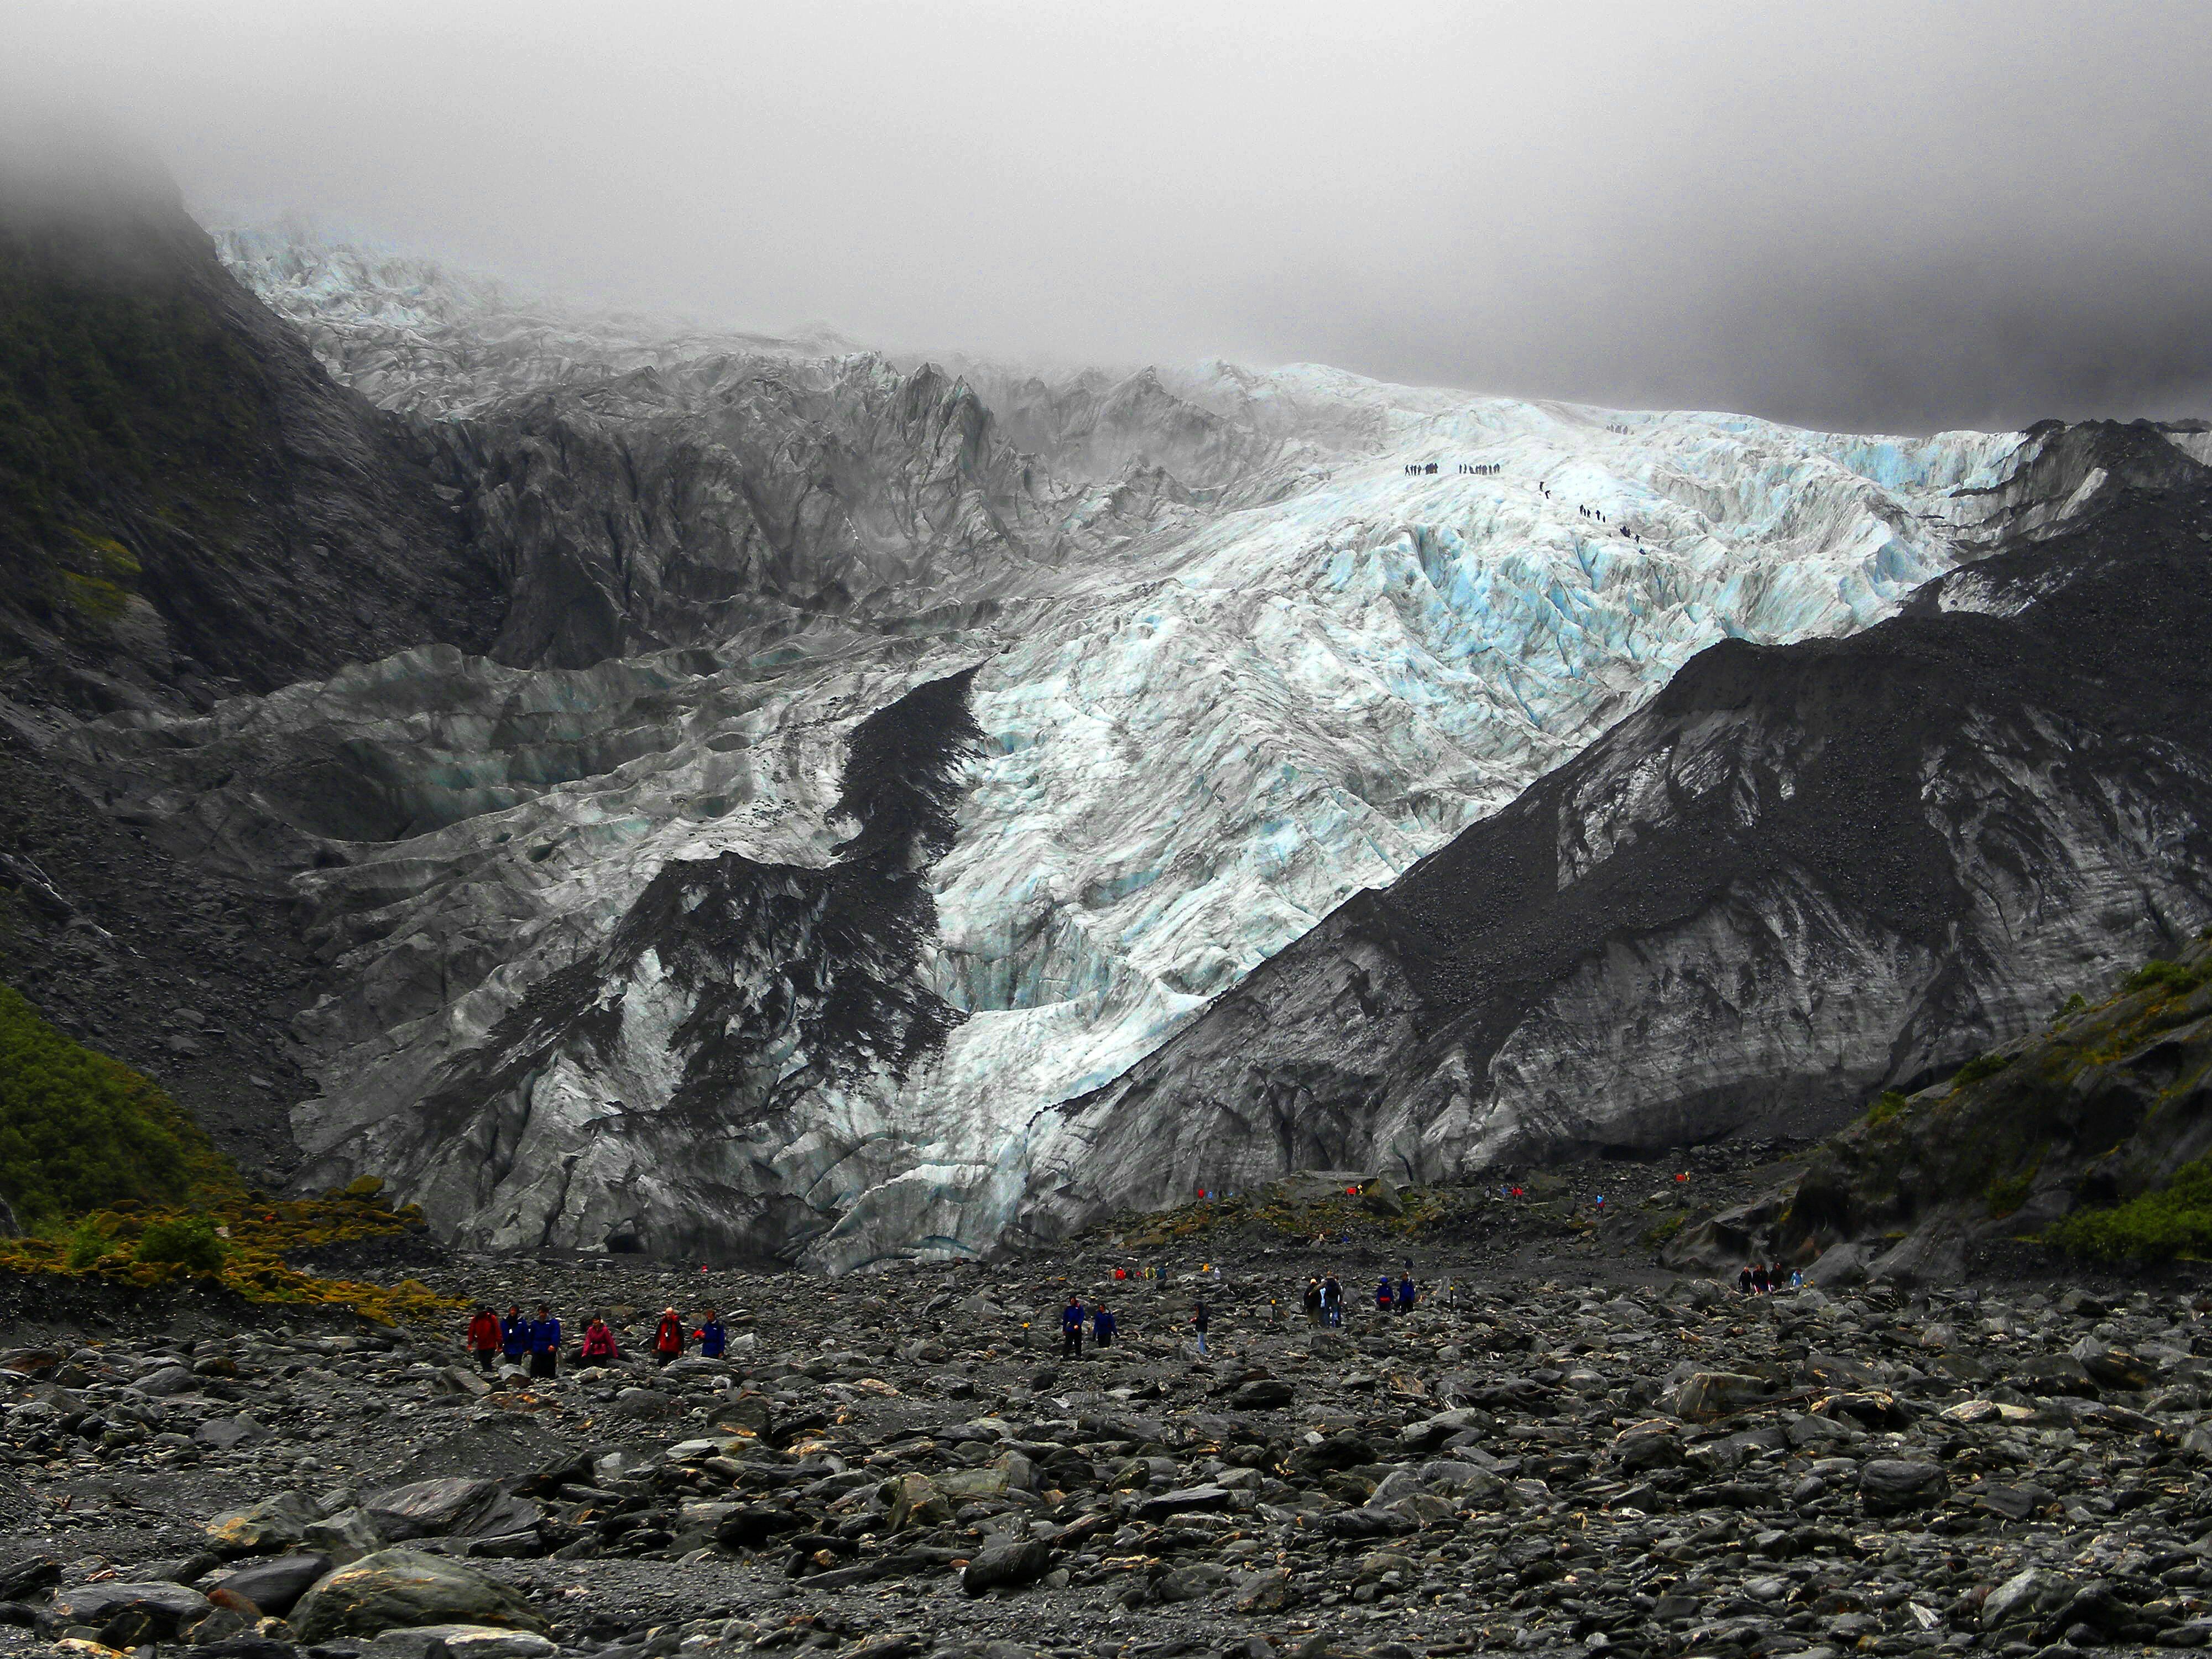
(1563, 1449)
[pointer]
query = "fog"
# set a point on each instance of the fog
(1880, 217)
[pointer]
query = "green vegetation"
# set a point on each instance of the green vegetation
(2076, 1004)
(1663, 1232)
(79, 1131)
(1887, 1105)
(2178, 978)
(2175, 1220)
(1980, 1066)
(116, 387)
(88, 1243)
(189, 1241)
(116, 1180)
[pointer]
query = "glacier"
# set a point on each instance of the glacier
(1184, 657)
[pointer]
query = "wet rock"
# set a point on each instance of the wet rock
(274, 1524)
(397, 1589)
(461, 1642)
(430, 1509)
(1006, 1564)
(274, 1585)
(161, 1607)
(1889, 1485)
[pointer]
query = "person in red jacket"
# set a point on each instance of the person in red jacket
(668, 1339)
(599, 1344)
(483, 1339)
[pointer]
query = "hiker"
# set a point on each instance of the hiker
(1761, 1280)
(545, 1343)
(713, 1341)
(1071, 1328)
(1743, 1280)
(1313, 1299)
(600, 1343)
(1383, 1296)
(515, 1335)
(1102, 1327)
(668, 1337)
(1332, 1300)
(483, 1339)
(1406, 1293)
(1198, 1323)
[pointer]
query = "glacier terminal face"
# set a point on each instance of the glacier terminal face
(1179, 660)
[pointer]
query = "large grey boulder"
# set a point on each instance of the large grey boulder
(397, 1589)
(166, 1608)
(1888, 1484)
(274, 1524)
(276, 1584)
(1006, 1563)
(430, 1509)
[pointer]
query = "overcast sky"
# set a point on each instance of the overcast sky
(1862, 215)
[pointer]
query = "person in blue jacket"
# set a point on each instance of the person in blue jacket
(1071, 1328)
(1382, 1294)
(1102, 1327)
(1406, 1293)
(544, 1342)
(514, 1336)
(712, 1338)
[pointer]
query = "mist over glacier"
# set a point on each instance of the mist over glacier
(1227, 659)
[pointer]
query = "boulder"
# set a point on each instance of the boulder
(461, 1642)
(915, 1502)
(1006, 1563)
(1181, 1501)
(160, 1607)
(229, 1433)
(273, 1525)
(1711, 1394)
(430, 1509)
(344, 1537)
(1190, 1584)
(274, 1585)
(1261, 1394)
(400, 1589)
(1889, 1485)
(1380, 1196)
(645, 1402)
(20, 1575)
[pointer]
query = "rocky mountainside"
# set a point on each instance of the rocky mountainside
(188, 505)
(1234, 652)
(1799, 875)
(2083, 1127)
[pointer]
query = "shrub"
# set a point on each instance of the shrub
(187, 1241)
(2076, 1004)
(2175, 1220)
(79, 1130)
(2178, 977)
(86, 1244)
(1887, 1105)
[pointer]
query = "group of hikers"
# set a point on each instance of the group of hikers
(1324, 1297)
(1759, 1280)
(534, 1342)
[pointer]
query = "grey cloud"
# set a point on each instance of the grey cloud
(1879, 216)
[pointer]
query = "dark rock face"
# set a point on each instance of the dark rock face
(2107, 1105)
(191, 505)
(1801, 874)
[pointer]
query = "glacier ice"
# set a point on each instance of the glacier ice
(1238, 665)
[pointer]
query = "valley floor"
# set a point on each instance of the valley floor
(1564, 1448)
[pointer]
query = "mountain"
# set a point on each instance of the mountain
(1800, 874)
(1188, 658)
(854, 770)
(188, 503)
